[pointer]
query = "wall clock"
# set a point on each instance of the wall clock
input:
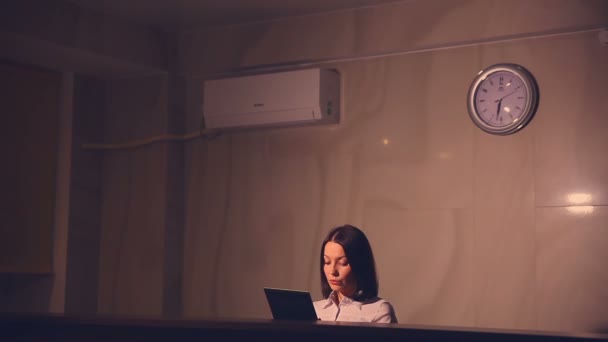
(503, 98)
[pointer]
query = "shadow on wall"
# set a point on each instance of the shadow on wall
(602, 329)
(25, 293)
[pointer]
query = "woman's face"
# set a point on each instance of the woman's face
(337, 270)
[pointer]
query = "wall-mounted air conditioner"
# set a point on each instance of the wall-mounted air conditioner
(310, 96)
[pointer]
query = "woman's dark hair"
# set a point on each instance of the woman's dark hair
(360, 257)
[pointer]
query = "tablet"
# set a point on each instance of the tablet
(286, 304)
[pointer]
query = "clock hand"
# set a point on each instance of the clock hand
(498, 108)
(509, 94)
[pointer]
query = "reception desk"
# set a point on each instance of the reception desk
(81, 328)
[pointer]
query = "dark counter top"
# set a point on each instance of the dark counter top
(45, 327)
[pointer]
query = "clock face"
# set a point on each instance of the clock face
(502, 99)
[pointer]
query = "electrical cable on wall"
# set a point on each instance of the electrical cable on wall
(151, 140)
(201, 133)
(300, 64)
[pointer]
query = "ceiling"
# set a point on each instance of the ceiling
(177, 15)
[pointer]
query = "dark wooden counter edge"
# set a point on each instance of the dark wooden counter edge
(38, 326)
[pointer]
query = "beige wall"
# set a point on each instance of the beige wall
(132, 226)
(468, 229)
(141, 228)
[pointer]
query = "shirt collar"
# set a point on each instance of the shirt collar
(345, 300)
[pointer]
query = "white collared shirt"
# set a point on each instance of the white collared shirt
(375, 310)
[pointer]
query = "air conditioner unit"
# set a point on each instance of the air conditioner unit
(310, 96)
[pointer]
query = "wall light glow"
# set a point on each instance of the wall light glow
(445, 155)
(581, 210)
(579, 198)
(385, 141)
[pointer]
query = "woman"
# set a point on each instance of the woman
(348, 280)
